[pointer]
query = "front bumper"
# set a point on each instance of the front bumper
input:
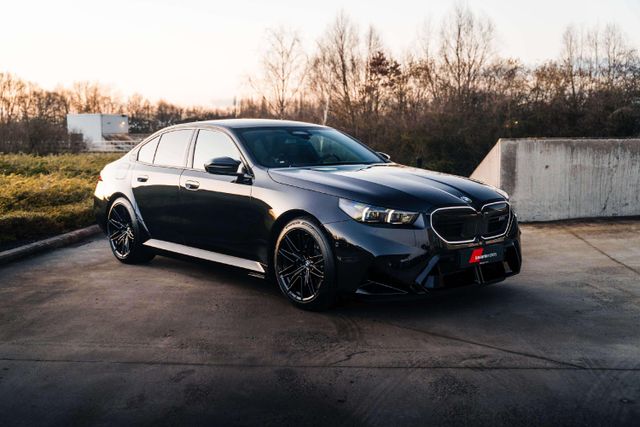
(377, 261)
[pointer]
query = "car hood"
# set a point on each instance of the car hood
(389, 185)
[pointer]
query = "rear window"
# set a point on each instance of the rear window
(148, 150)
(172, 148)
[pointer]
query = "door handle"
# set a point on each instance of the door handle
(191, 185)
(143, 178)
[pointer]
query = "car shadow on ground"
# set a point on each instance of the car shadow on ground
(455, 301)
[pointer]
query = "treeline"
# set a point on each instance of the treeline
(443, 105)
(33, 120)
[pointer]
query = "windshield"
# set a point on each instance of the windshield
(289, 147)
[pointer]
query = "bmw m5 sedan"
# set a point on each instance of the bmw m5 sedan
(308, 206)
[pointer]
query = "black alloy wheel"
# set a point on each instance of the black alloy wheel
(304, 266)
(124, 235)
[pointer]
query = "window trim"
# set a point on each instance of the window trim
(160, 134)
(194, 141)
(151, 139)
(184, 155)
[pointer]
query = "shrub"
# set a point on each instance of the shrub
(45, 195)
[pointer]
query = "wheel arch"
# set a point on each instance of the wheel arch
(102, 205)
(281, 222)
(117, 195)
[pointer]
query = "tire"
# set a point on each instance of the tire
(304, 266)
(123, 232)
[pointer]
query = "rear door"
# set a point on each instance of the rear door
(216, 208)
(156, 182)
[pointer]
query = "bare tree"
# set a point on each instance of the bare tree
(89, 97)
(342, 68)
(284, 67)
(12, 91)
(466, 45)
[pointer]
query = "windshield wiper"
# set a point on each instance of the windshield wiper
(344, 163)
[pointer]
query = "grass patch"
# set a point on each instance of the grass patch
(42, 196)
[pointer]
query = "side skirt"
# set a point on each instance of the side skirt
(207, 255)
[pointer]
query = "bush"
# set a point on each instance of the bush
(22, 225)
(19, 192)
(85, 165)
(45, 195)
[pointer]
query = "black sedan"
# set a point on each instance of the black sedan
(308, 206)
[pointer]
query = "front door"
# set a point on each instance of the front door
(216, 208)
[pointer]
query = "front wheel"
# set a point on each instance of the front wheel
(304, 266)
(123, 231)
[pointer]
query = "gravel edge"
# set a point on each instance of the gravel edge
(48, 244)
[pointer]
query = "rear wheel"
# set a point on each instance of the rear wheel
(304, 266)
(123, 231)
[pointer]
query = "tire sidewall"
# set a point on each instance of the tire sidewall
(327, 293)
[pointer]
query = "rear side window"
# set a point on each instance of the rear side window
(211, 145)
(172, 148)
(148, 150)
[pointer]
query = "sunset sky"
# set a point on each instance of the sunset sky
(201, 52)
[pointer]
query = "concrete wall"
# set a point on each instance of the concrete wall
(551, 179)
(488, 171)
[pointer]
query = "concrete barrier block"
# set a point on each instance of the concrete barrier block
(553, 179)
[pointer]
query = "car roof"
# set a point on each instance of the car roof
(249, 123)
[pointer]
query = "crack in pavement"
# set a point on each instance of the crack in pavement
(567, 367)
(347, 358)
(490, 346)
(577, 236)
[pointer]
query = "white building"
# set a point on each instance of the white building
(100, 131)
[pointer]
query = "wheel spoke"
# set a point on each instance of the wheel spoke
(293, 282)
(292, 273)
(115, 212)
(119, 229)
(316, 272)
(287, 270)
(116, 234)
(120, 244)
(116, 224)
(300, 265)
(309, 282)
(290, 256)
(290, 243)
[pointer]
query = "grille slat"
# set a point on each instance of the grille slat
(465, 224)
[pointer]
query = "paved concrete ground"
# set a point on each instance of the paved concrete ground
(86, 340)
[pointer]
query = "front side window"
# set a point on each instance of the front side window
(172, 148)
(287, 147)
(211, 145)
(148, 150)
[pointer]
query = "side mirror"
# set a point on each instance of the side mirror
(384, 155)
(223, 166)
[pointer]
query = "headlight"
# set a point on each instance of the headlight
(376, 215)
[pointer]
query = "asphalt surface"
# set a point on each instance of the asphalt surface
(87, 340)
